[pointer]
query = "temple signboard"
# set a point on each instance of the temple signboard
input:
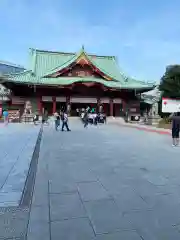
(83, 100)
(170, 105)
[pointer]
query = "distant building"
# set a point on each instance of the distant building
(62, 80)
(10, 68)
(7, 68)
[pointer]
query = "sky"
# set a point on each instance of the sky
(143, 34)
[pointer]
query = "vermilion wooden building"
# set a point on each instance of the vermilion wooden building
(57, 79)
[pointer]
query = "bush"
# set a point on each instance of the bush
(165, 120)
(165, 123)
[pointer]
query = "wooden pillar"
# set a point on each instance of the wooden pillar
(54, 105)
(39, 104)
(111, 107)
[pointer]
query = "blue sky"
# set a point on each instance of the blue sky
(143, 34)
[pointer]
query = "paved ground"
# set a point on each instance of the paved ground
(17, 142)
(140, 126)
(106, 183)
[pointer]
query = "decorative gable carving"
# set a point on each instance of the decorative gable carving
(82, 61)
(81, 67)
(81, 71)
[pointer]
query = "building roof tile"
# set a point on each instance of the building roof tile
(44, 63)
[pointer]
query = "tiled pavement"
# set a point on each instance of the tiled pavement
(17, 143)
(101, 183)
(106, 183)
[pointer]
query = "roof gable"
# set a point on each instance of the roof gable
(83, 59)
(45, 62)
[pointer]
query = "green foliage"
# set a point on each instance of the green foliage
(165, 120)
(170, 86)
(170, 82)
(165, 123)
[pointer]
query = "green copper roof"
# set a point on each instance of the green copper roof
(107, 65)
(44, 63)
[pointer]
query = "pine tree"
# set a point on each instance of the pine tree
(170, 82)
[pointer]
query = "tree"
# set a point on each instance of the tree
(170, 82)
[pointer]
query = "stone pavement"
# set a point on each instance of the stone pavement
(106, 183)
(17, 143)
(148, 128)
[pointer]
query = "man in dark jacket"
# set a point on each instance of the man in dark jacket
(175, 117)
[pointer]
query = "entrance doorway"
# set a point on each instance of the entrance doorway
(48, 106)
(61, 106)
(118, 110)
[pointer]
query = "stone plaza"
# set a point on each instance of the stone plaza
(17, 146)
(105, 182)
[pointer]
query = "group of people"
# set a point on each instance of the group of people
(61, 117)
(89, 115)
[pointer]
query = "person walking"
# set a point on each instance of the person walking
(175, 117)
(56, 120)
(86, 119)
(64, 118)
(6, 117)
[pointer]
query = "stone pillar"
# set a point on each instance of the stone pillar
(111, 107)
(54, 105)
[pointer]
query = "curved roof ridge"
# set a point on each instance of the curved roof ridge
(102, 70)
(127, 77)
(71, 53)
(120, 70)
(78, 54)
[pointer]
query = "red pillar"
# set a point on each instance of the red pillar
(54, 105)
(111, 107)
(39, 104)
